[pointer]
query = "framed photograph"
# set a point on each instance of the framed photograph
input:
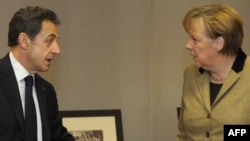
(94, 125)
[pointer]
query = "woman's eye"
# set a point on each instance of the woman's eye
(194, 39)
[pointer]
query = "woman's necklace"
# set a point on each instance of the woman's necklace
(217, 80)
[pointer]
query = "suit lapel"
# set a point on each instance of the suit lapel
(203, 87)
(40, 90)
(10, 87)
(231, 79)
(41, 96)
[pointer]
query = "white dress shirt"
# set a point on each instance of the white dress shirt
(21, 73)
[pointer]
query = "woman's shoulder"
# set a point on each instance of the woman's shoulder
(191, 70)
(191, 67)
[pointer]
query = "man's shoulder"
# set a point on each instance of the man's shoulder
(5, 59)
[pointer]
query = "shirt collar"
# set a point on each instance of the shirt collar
(19, 70)
(238, 64)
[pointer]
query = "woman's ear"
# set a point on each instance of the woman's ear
(23, 40)
(219, 43)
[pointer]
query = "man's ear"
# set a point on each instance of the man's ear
(23, 39)
(220, 43)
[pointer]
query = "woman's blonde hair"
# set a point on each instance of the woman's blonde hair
(219, 21)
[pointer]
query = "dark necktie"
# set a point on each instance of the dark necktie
(30, 112)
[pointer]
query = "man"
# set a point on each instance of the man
(32, 38)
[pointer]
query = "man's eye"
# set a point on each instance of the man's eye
(50, 40)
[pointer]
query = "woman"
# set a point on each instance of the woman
(215, 88)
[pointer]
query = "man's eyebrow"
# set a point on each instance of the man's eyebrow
(53, 35)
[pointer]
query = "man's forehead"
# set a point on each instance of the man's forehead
(49, 29)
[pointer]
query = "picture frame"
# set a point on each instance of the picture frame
(85, 125)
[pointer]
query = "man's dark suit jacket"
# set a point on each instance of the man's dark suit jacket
(11, 112)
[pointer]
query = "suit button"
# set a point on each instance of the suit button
(22, 137)
(207, 134)
(208, 115)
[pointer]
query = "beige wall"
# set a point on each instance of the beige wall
(125, 54)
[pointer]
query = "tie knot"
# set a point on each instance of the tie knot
(29, 80)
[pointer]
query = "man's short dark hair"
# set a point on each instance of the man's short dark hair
(29, 21)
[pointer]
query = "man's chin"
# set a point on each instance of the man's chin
(45, 69)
